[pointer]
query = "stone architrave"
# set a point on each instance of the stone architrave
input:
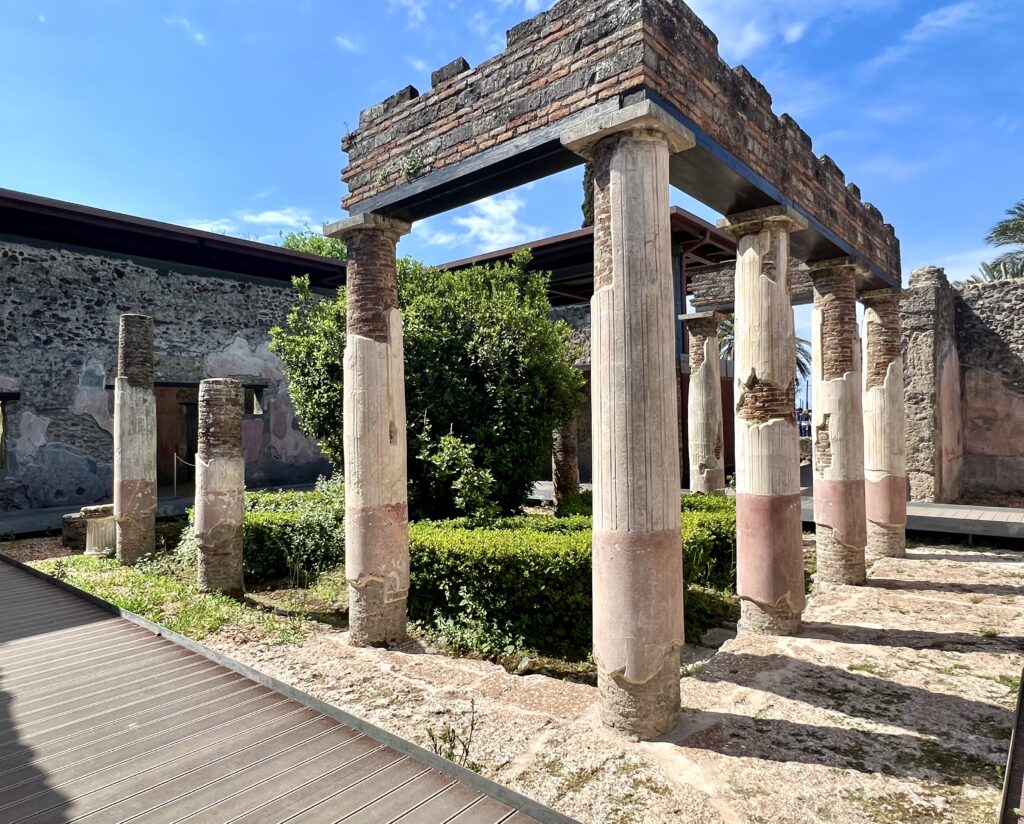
(637, 569)
(376, 505)
(838, 425)
(885, 457)
(135, 440)
(769, 536)
(704, 404)
(220, 487)
(565, 464)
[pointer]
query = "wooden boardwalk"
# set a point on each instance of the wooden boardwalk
(102, 720)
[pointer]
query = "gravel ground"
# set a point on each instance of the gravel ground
(35, 549)
(894, 704)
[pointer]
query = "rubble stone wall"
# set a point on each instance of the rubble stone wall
(935, 446)
(58, 349)
(990, 343)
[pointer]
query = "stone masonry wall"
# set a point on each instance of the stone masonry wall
(935, 445)
(717, 288)
(990, 341)
(58, 348)
(581, 54)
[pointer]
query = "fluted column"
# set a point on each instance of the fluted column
(885, 457)
(637, 568)
(838, 426)
(376, 510)
(135, 440)
(704, 404)
(220, 487)
(769, 536)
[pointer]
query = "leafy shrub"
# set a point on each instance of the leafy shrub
(698, 502)
(483, 363)
(580, 503)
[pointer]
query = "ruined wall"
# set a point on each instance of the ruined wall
(58, 347)
(935, 445)
(990, 343)
(580, 55)
(716, 288)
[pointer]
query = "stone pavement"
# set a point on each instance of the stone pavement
(894, 705)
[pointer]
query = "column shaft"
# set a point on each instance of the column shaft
(376, 510)
(704, 406)
(638, 575)
(885, 461)
(220, 487)
(769, 536)
(838, 428)
(135, 440)
(565, 464)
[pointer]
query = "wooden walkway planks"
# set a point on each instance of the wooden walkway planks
(101, 720)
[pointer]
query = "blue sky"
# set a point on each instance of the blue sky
(228, 114)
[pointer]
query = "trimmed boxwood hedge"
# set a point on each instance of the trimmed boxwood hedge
(519, 582)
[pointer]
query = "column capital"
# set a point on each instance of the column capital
(826, 268)
(392, 226)
(703, 322)
(757, 220)
(645, 116)
(877, 297)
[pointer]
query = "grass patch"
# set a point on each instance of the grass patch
(868, 667)
(156, 591)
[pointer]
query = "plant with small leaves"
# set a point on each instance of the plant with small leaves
(454, 744)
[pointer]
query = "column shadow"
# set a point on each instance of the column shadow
(898, 585)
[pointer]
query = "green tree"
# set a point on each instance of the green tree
(314, 243)
(727, 340)
(1007, 232)
(483, 364)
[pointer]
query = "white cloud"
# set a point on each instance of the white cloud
(348, 44)
(288, 218)
(42, 18)
(220, 226)
(182, 23)
(747, 26)
(898, 169)
(418, 65)
(490, 224)
(415, 11)
(934, 24)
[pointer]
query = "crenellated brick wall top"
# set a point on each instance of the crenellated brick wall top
(581, 54)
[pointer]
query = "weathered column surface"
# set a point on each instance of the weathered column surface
(100, 530)
(704, 405)
(769, 536)
(637, 568)
(885, 461)
(135, 440)
(565, 461)
(376, 506)
(838, 426)
(220, 487)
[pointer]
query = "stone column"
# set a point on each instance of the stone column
(565, 463)
(885, 461)
(837, 425)
(100, 530)
(637, 567)
(220, 487)
(769, 532)
(704, 405)
(135, 440)
(376, 510)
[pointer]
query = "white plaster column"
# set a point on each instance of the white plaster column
(769, 536)
(376, 506)
(705, 430)
(135, 440)
(838, 425)
(220, 487)
(885, 456)
(637, 567)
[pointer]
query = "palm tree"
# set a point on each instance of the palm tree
(1007, 232)
(727, 338)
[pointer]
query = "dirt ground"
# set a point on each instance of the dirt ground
(894, 704)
